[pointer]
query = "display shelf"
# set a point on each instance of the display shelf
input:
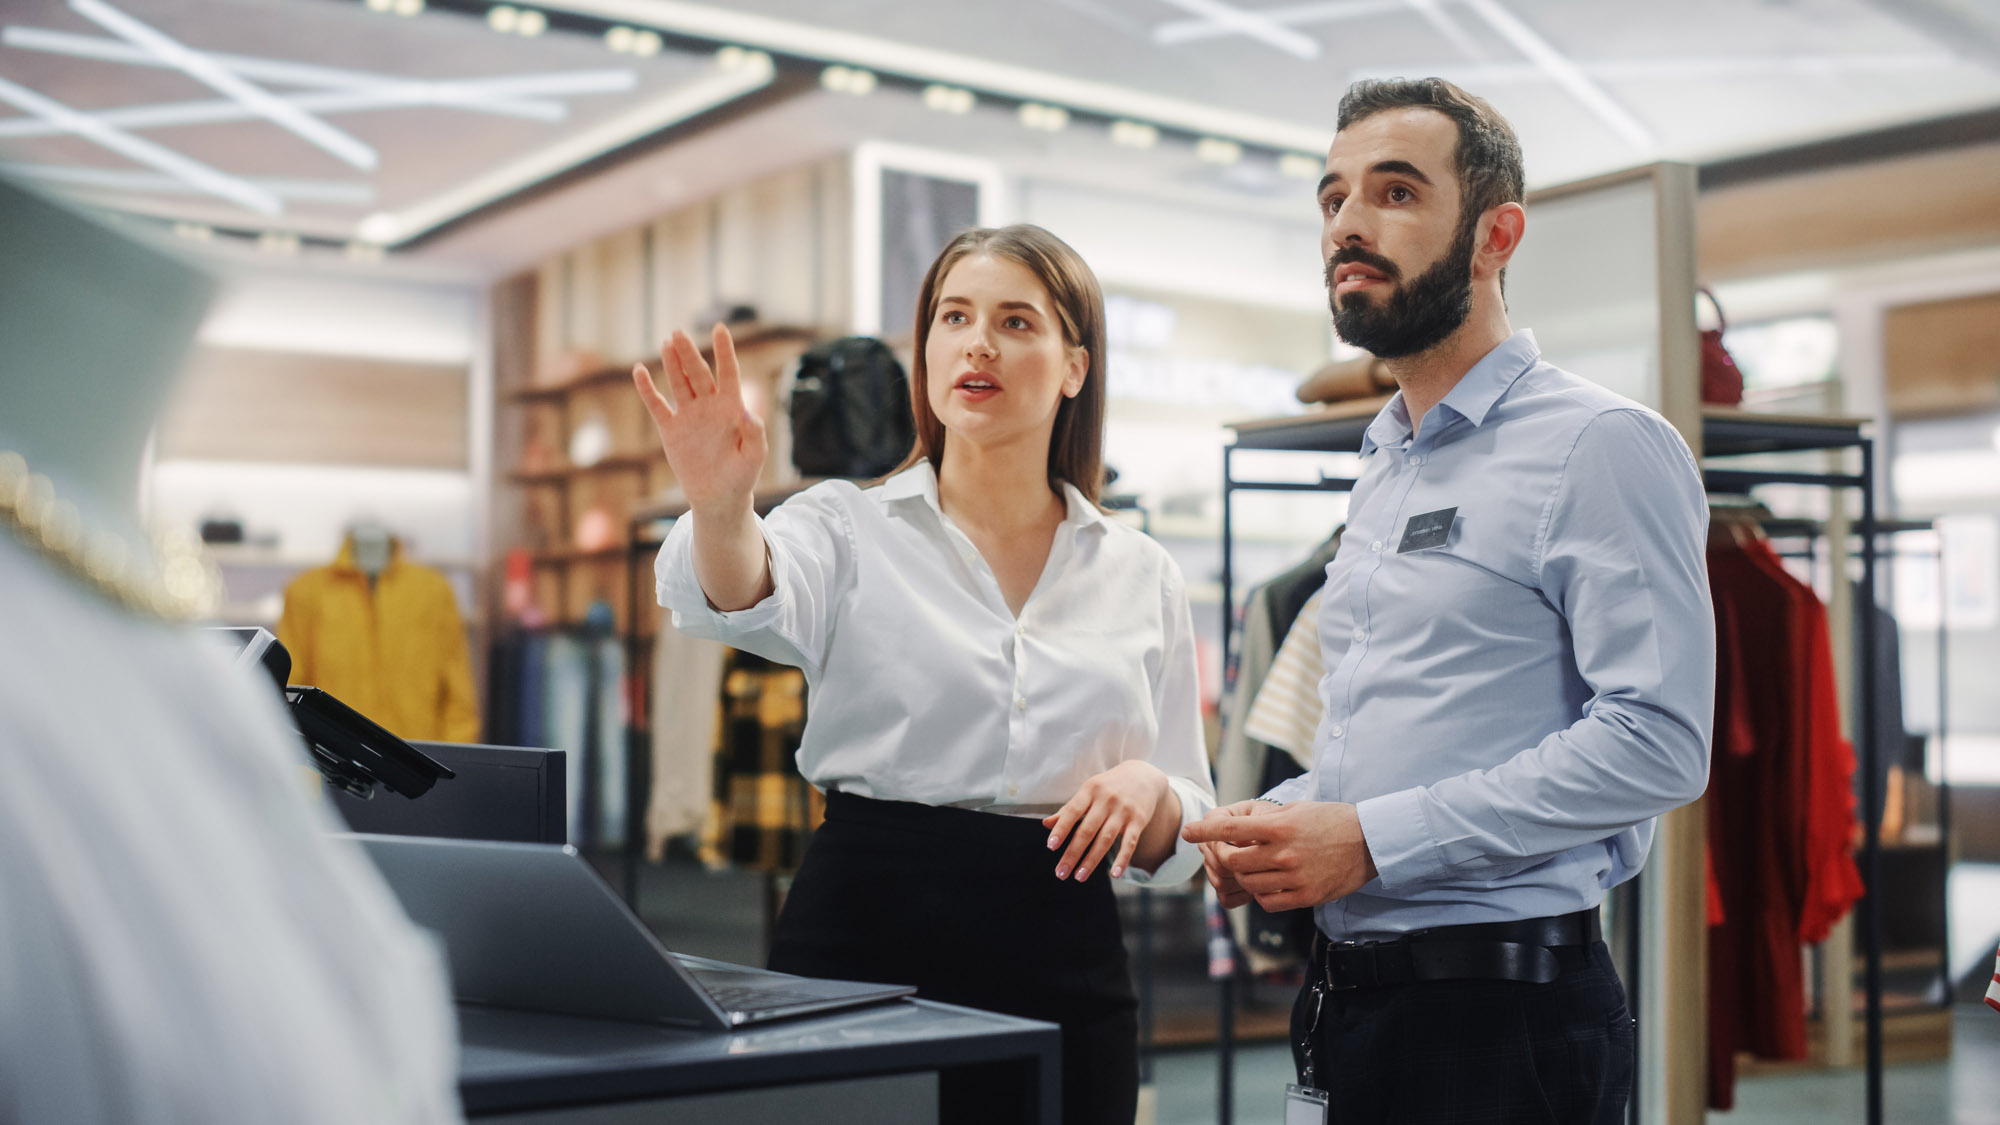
(612, 373)
(564, 556)
(563, 474)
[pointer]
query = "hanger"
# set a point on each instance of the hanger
(1736, 521)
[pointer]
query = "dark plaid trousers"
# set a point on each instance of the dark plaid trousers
(1490, 1052)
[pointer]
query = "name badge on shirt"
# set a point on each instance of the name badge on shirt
(1427, 531)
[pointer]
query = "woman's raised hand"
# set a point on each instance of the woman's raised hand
(715, 445)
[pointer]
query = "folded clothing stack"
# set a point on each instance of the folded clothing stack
(1348, 379)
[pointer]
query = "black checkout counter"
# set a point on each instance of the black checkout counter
(867, 1065)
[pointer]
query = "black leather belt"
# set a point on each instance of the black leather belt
(1522, 951)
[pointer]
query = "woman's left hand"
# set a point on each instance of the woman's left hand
(1112, 808)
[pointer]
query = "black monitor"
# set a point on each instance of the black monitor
(509, 793)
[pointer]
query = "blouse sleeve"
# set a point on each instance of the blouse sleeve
(1181, 751)
(810, 544)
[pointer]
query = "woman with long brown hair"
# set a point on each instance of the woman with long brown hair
(1003, 701)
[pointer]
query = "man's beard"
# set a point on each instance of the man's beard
(1419, 315)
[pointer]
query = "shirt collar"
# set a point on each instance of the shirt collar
(1472, 399)
(919, 483)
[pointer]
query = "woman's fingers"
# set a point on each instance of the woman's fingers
(649, 394)
(1127, 844)
(1081, 839)
(1107, 838)
(700, 380)
(1065, 818)
(727, 380)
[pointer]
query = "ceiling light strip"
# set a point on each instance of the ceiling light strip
(1580, 86)
(322, 77)
(1252, 24)
(123, 179)
(1711, 66)
(923, 64)
(173, 114)
(1442, 23)
(719, 86)
(198, 67)
(144, 151)
(1323, 11)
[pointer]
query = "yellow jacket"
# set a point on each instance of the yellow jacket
(396, 654)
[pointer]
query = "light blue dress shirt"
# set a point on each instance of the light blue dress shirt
(1513, 698)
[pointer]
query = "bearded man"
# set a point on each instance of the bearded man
(1520, 661)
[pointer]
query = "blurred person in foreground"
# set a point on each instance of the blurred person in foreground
(1002, 679)
(1520, 659)
(180, 939)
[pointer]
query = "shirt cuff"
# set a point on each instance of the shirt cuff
(676, 587)
(1399, 839)
(1180, 866)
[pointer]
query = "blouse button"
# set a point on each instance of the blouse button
(1020, 703)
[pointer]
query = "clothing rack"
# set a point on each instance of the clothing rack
(1725, 434)
(1812, 531)
(643, 539)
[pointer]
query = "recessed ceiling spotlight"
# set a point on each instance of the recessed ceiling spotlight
(407, 8)
(365, 252)
(949, 99)
(1047, 118)
(1215, 150)
(1134, 134)
(531, 23)
(847, 80)
(646, 44)
(278, 242)
(503, 19)
(730, 57)
(194, 232)
(380, 228)
(381, 5)
(619, 39)
(1300, 166)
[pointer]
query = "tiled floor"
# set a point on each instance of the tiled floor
(1964, 1091)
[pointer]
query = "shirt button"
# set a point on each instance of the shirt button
(1337, 731)
(1375, 546)
(1417, 460)
(1013, 790)
(1361, 634)
(1020, 630)
(1020, 703)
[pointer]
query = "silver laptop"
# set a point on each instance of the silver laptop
(533, 927)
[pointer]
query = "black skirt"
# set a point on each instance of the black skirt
(966, 906)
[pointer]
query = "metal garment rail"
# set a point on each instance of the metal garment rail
(1724, 434)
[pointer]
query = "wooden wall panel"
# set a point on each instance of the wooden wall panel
(682, 278)
(241, 404)
(1930, 202)
(1942, 356)
(622, 312)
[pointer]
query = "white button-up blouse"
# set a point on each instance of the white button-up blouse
(924, 687)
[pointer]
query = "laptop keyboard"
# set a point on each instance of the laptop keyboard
(749, 998)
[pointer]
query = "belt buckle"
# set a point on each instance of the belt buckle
(1346, 971)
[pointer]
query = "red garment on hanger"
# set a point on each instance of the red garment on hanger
(1780, 809)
